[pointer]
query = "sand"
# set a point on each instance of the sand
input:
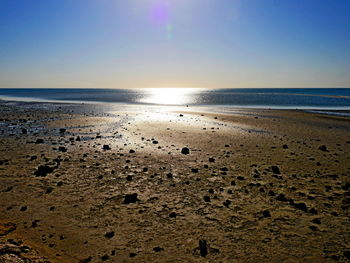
(98, 183)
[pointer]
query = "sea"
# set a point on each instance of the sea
(282, 98)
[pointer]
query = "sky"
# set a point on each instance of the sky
(174, 43)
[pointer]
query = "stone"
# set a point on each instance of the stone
(43, 170)
(323, 148)
(130, 198)
(185, 150)
(275, 169)
(106, 147)
(203, 248)
(109, 234)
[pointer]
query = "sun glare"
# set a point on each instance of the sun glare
(169, 96)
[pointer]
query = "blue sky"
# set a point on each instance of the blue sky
(174, 43)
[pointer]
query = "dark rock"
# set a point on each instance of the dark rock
(39, 141)
(132, 255)
(155, 142)
(132, 151)
(212, 160)
(266, 213)
(194, 170)
(62, 149)
(43, 170)
(172, 215)
(104, 257)
(301, 206)
(323, 148)
(109, 234)
(129, 178)
(285, 146)
(185, 150)
(203, 248)
(206, 198)
(106, 147)
(158, 249)
(62, 130)
(282, 198)
(130, 198)
(275, 169)
(49, 190)
(24, 131)
(316, 221)
(224, 169)
(347, 254)
(23, 208)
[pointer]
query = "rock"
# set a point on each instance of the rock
(158, 249)
(266, 213)
(172, 215)
(39, 141)
(185, 150)
(62, 149)
(24, 131)
(323, 148)
(194, 170)
(275, 169)
(109, 234)
(106, 147)
(43, 170)
(155, 142)
(282, 198)
(132, 255)
(78, 139)
(130, 198)
(129, 178)
(49, 190)
(211, 160)
(23, 208)
(203, 248)
(132, 151)
(104, 257)
(206, 198)
(285, 146)
(62, 130)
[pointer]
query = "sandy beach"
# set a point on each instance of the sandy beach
(96, 183)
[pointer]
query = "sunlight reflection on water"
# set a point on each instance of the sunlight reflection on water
(170, 96)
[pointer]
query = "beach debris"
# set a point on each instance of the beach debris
(130, 198)
(185, 150)
(43, 170)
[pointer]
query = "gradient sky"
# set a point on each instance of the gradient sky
(174, 43)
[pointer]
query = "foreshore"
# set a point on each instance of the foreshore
(95, 183)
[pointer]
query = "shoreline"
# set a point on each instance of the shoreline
(257, 185)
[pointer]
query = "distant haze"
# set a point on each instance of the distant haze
(174, 43)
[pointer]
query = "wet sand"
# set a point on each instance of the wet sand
(94, 183)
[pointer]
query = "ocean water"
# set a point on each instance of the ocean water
(325, 98)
